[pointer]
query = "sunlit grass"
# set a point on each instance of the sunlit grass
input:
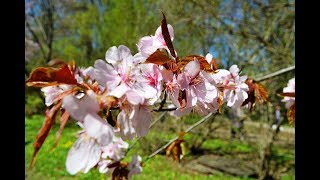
(50, 164)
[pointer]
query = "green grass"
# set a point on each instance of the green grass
(223, 146)
(51, 164)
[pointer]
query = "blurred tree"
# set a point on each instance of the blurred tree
(258, 35)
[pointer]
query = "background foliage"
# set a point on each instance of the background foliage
(257, 35)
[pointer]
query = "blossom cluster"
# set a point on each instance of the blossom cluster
(290, 88)
(131, 85)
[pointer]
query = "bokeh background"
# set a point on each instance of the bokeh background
(257, 35)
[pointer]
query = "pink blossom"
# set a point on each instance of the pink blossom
(126, 130)
(103, 166)
(149, 44)
(115, 149)
(85, 111)
(122, 77)
(193, 84)
(50, 93)
(151, 80)
(141, 119)
(135, 166)
(289, 89)
(234, 86)
(134, 121)
(83, 74)
(83, 155)
(171, 86)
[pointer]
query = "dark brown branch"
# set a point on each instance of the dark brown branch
(163, 102)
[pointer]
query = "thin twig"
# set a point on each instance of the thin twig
(175, 138)
(163, 102)
(165, 109)
(151, 125)
(155, 121)
(277, 73)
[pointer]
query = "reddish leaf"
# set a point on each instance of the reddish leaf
(45, 129)
(182, 98)
(251, 94)
(158, 57)
(261, 92)
(291, 114)
(288, 94)
(166, 35)
(204, 65)
(63, 121)
(257, 93)
(171, 66)
(175, 150)
(220, 100)
(48, 76)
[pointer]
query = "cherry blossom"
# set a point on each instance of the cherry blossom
(85, 111)
(83, 155)
(135, 166)
(115, 149)
(149, 44)
(289, 89)
(234, 86)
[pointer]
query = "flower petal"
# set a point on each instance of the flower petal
(97, 128)
(192, 69)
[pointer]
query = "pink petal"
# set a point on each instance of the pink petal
(106, 75)
(79, 108)
(209, 58)
(83, 155)
(119, 91)
(97, 128)
(134, 98)
(167, 75)
(192, 69)
(183, 81)
(141, 120)
(126, 129)
(234, 70)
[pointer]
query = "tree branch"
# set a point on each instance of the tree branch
(274, 74)
(187, 130)
(35, 37)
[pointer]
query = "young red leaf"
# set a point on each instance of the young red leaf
(182, 98)
(48, 76)
(63, 121)
(291, 114)
(166, 35)
(204, 65)
(45, 129)
(158, 57)
(251, 94)
(257, 92)
(171, 66)
(261, 92)
(288, 94)
(175, 150)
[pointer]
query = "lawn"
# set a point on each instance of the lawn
(50, 164)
